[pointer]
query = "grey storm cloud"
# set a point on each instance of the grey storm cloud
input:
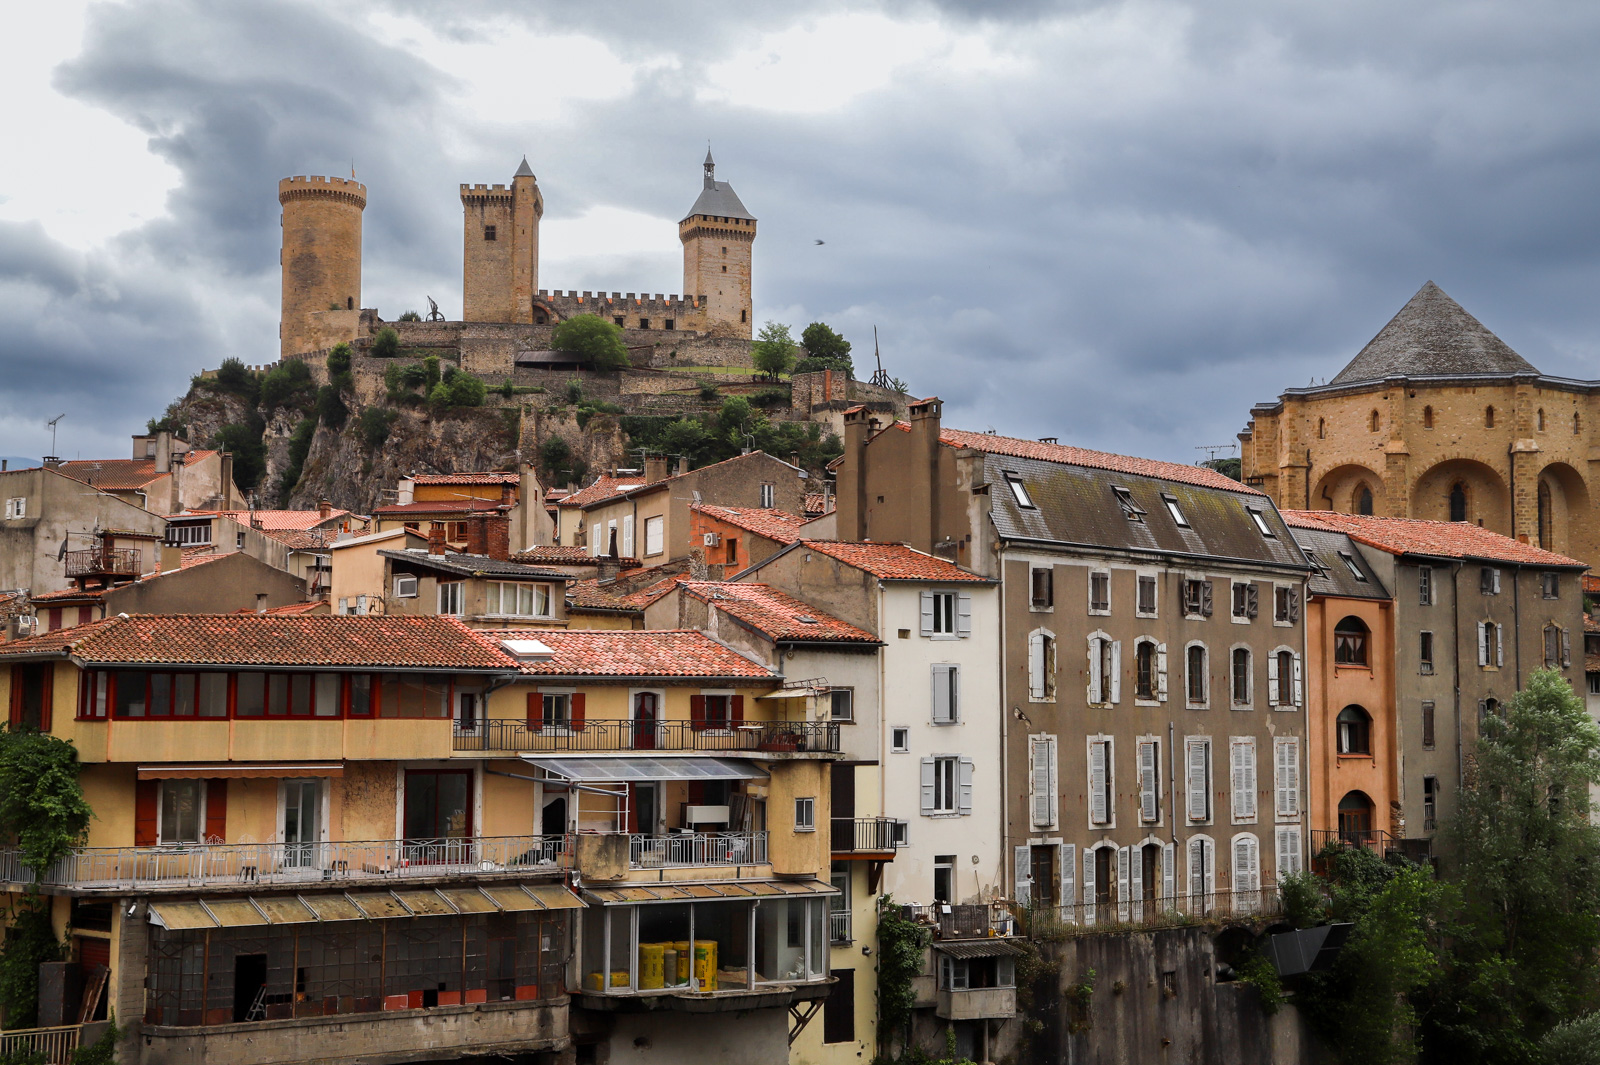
(1144, 218)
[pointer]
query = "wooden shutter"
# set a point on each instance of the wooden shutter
(1241, 864)
(1161, 672)
(1136, 882)
(1068, 861)
(1299, 691)
(736, 710)
(964, 787)
(1149, 808)
(1499, 642)
(1122, 884)
(1169, 859)
(927, 613)
(1244, 778)
(216, 809)
(1209, 848)
(1196, 756)
(1205, 598)
(1566, 658)
(146, 801)
(1116, 671)
(963, 613)
(1095, 694)
(928, 769)
(1041, 773)
(1294, 604)
(575, 710)
(1483, 643)
(1272, 679)
(1197, 868)
(1088, 884)
(942, 710)
(536, 711)
(1288, 852)
(1252, 600)
(697, 713)
(1286, 776)
(1036, 665)
(1022, 873)
(1049, 666)
(1098, 814)
(1494, 581)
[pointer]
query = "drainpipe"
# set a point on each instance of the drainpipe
(1516, 623)
(1006, 859)
(1455, 639)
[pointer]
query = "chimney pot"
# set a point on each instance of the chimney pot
(436, 539)
(324, 509)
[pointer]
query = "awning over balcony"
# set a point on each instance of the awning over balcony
(642, 767)
(234, 770)
(712, 892)
(979, 948)
(243, 911)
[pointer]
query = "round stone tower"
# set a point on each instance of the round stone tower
(321, 260)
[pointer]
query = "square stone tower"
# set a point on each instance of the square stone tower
(500, 248)
(717, 236)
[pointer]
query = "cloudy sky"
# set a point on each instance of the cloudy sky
(1117, 223)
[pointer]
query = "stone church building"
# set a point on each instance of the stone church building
(1438, 418)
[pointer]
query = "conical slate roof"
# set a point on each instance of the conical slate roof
(717, 198)
(1433, 334)
(524, 170)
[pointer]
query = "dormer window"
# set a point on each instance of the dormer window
(1130, 510)
(1173, 509)
(1019, 491)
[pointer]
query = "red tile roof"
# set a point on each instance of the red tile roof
(122, 475)
(890, 562)
(192, 557)
(819, 504)
(269, 521)
(273, 640)
(1443, 539)
(552, 554)
(604, 487)
(635, 653)
(1101, 460)
(492, 477)
(1591, 584)
(313, 607)
(437, 506)
(776, 614)
(594, 595)
(778, 526)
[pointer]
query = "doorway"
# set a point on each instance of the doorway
(646, 713)
(249, 987)
(302, 822)
(647, 808)
(1105, 871)
(1150, 871)
(438, 815)
(1044, 874)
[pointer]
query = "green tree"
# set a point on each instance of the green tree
(299, 448)
(376, 422)
(458, 390)
(233, 376)
(592, 338)
(901, 946)
(411, 316)
(825, 350)
(42, 806)
(249, 453)
(555, 456)
(1523, 850)
(339, 368)
(386, 345)
(29, 942)
(773, 351)
(288, 384)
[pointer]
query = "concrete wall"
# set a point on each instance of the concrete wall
(663, 1038)
(58, 506)
(232, 582)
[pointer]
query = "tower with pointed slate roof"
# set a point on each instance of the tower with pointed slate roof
(718, 235)
(1437, 417)
(500, 248)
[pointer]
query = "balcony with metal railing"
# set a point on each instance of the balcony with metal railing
(600, 734)
(840, 928)
(243, 865)
(862, 837)
(54, 1046)
(687, 850)
(105, 561)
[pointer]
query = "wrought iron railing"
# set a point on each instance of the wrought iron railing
(121, 561)
(869, 835)
(235, 864)
(839, 927)
(1163, 910)
(515, 734)
(690, 849)
(56, 1045)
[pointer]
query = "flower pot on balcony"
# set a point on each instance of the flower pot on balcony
(782, 741)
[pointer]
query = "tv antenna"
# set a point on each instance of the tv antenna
(51, 425)
(1212, 450)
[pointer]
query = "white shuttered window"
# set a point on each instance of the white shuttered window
(1286, 776)
(1149, 781)
(1242, 762)
(1100, 780)
(1197, 776)
(1042, 780)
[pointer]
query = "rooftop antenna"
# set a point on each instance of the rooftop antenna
(51, 425)
(879, 378)
(1212, 450)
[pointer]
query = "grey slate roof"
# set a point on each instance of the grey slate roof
(1325, 550)
(524, 170)
(1432, 334)
(719, 200)
(476, 565)
(1076, 505)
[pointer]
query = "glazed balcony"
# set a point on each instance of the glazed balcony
(236, 865)
(517, 736)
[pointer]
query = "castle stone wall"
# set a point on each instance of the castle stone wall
(321, 259)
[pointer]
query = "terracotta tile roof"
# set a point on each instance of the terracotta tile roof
(298, 540)
(776, 614)
(1591, 584)
(778, 526)
(604, 487)
(552, 555)
(819, 504)
(1102, 460)
(593, 594)
(315, 606)
(270, 521)
(492, 477)
(199, 557)
(890, 562)
(635, 653)
(1442, 539)
(1590, 622)
(389, 642)
(122, 475)
(437, 506)
(70, 595)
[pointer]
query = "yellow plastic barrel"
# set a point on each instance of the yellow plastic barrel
(651, 962)
(682, 947)
(705, 965)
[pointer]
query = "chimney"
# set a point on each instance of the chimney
(606, 568)
(324, 509)
(497, 537)
(261, 602)
(477, 534)
(683, 465)
(852, 483)
(436, 539)
(52, 461)
(655, 468)
(163, 452)
(508, 495)
(924, 466)
(230, 491)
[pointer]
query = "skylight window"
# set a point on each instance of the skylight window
(1019, 491)
(1172, 508)
(1317, 564)
(1261, 523)
(1355, 570)
(1130, 510)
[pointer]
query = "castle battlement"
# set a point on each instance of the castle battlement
(603, 302)
(308, 186)
(485, 193)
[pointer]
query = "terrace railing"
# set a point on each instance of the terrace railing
(690, 849)
(861, 835)
(599, 734)
(55, 1045)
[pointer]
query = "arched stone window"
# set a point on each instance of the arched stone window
(1458, 502)
(1355, 730)
(1350, 638)
(1488, 417)
(1375, 421)
(1364, 500)
(1427, 417)
(1322, 428)
(1538, 419)
(1355, 818)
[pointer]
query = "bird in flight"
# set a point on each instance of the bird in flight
(819, 242)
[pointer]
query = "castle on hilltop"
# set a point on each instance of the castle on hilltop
(321, 260)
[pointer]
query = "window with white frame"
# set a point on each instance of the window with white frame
(1197, 679)
(1041, 587)
(899, 739)
(1146, 604)
(1260, 520)
(1425, 585)
(1100, 591)
(1491, 648)
(1246, 862)
(1202, 870)
(1242, 773)
(1042, 780)
(1197, 777)
(519, 600)
(1175, 511)
(1557, 647)
(452, 598)
(946, 693)
(1130, 510)
(17, 507)
(842, 704)
(946, 785)
(1019, 491)
(626, 547)
(1150, 780)
(1105, 669)
(405, 587)
(1285, 604)
(182, 812)
(1284, 682)
(1489, 580)
(1041, 665)
(1197, 598)
(1149, 670)
(557, 710)
(654, 535)
(946, 615)
(1246, 600)
(1102, 783)
(1286, 777)
(182, 535)
(1355, 569)
(1289, 862)
(597, 536)
(1550, 585)
(1239, 675)
(805, 814)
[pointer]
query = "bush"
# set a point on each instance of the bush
(249, 454)
(375, 425)
(330, 408)
(29, 942)
(555, 455)
(593, 339)
(507, 389)
(411, 316)
(708, 392)
(299, 448)
(234, 377)
(771, 397)
(102, 1051)
(574, 391)
(289, 385)
(386, 345)
(458, 390)
(1303, 904)
(773, 351)
(339, 368)
(41, 802)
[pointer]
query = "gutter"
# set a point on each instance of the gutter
(1142, 552)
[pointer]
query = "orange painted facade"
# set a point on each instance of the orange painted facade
(1333, 686)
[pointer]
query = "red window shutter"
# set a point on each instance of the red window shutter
(47, 688)
(737, 713)
(16, 696)
(633, 808)
(216, 809)
(577, 702)
(697, 793)
(697, 712)
(146, 794)
(535, 711)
